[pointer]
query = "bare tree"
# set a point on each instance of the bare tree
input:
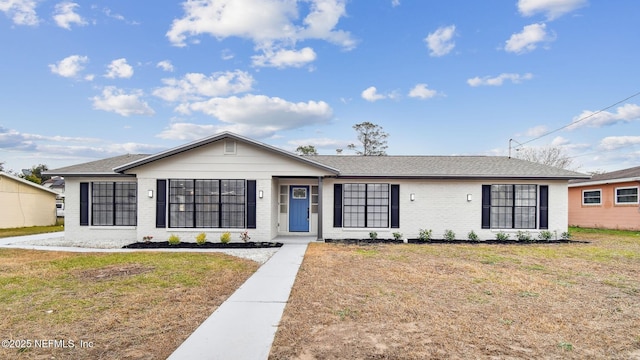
(373, 139)
(549, 155)
(307, 150)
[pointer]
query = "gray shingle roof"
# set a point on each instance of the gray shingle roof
(97, 168)
(622, 175)
(442, 167)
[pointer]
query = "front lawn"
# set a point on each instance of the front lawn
(109, 306)
(463, 301)
(32, 230)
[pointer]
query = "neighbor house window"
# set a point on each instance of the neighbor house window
(113, 203)
(591, 197)
(627, 195)
(366, 205)
(207, 203)
(513, 206)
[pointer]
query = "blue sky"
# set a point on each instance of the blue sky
(87, 80)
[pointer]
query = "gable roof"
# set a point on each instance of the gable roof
(27, 182)
(619, 176)
(214, 138)
(443, 167)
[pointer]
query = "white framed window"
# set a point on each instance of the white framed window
(592, 197)
(627, 195)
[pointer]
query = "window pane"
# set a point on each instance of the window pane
(591, 197)
(102, 203)
(629, 195)
(232, 203)
(181, 203)
(126, 204)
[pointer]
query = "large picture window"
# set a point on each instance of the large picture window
(114, 203)
(204, 203)
(513, 206)
(366, 205)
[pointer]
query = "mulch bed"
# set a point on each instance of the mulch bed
(207, 245)
(443, 241)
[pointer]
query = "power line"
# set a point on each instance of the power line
(577, 121)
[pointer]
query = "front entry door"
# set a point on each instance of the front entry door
(299, 208)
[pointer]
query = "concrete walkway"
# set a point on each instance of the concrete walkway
(244, 326)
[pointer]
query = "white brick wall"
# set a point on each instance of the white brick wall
(442, 205)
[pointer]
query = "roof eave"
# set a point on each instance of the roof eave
(454, 177)
(89, 174)
(604, 182)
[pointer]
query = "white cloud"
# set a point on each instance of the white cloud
(371, 94)
(553, 9)
(196, 86)
(21, 12)
(528, 39)
(440, 41)
(119, 69)
(65, 15)
(165, 65)
(536, 131)
(70, 66)
(395, 3)
(422, 91)
(623, 114)
(284, 58)
(617, 142)
(272, 25)
(117, 101)
(261, 114)
(227, 54)
(499, 80)
(320, 143)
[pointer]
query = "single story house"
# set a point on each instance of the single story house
(608, 200)
(227, 182)
(24, 203)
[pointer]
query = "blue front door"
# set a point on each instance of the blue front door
(299, 208)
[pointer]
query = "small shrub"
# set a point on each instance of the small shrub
(373, 235)
(566, 235)
(244, 236)
(545, 235)
(225, 237)
(147, 239)
(397, 235)
(472, 236)
(174, 239)
(502, 236)
(524, 236)
(449, 235)
(425, 235)
(201, 239)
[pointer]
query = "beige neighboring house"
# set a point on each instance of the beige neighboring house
(25, 203)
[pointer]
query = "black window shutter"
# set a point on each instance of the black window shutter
(84, 204)
(486, 206)
(395, 206)
(251, 204)
(337, 205)
(544, 206)
(161, 203)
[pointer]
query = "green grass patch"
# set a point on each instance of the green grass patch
(575, 231)
(32, 230)
(367, 252)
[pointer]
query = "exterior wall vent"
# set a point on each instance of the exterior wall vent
(229, 147)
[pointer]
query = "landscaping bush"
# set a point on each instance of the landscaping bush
(472, 236)
(524, 236)
(373, 235)
(174, 239)
(225, 237)
(425, 235)
(201, 239)
(545, 235)
(397, 235)
(502, 236)
(449, 235)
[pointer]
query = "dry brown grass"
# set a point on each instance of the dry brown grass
(129, 306)
(576, 301)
